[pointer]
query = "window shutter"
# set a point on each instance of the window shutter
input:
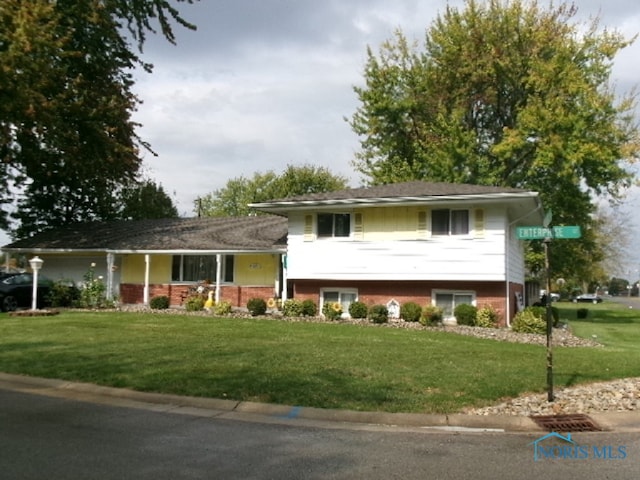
(358, 228)
(423, 226)
(308, 228)
(478, 226)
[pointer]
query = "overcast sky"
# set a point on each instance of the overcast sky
(263, 84)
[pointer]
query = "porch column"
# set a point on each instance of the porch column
(145, 294)
(283, 259)
(218, 276)
(109, 276)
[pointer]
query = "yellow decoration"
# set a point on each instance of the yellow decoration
(271, 303)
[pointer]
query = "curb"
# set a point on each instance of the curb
(252, 411)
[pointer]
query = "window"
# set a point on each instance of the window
(448, 301)
(199, 268)
(450, 222)
(344, 297)
(334, 225)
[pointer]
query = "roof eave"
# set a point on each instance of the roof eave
(285, 206)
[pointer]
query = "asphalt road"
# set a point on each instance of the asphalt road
(49, 438)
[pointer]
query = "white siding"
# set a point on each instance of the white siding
(380, 256)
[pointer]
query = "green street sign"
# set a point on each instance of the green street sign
(539, 233)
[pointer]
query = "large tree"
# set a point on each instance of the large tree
(67, 139)
(234, 198)
(507, 94)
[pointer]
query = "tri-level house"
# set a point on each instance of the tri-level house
(431, 243)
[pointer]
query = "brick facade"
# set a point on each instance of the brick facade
(378, 292)
(236, 295)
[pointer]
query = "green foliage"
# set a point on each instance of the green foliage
(529, 321)
(160, 302)
(358, 310)
(292, 308)
(582, 313)
(379, 314)
(234, 198)
(68, 141)
(92, 292)
(410, 312)
(332, 310)
(309, 308)
(257, 306)
(431, 315)
(486, 317)
(465, 314)
(194, 303)
(473, 105)
(146, 199)
(64, 293)
(223, 307)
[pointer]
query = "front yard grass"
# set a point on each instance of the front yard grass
(325, 365)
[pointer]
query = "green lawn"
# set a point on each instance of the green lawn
(327, 365)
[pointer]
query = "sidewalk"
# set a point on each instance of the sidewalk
(307, 416)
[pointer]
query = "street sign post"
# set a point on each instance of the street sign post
(547, 233)
(541, 233)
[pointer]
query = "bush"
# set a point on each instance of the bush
(358, 310)
(529, 321)
(194, 303)
(332, 310)
(410, 312)
(309, 308)
(160, 302)
(431, 315)
(292, 308)
(379, 314)
(257, 306)
(92, 293)
(223, 307)
(465, 314)
(486, 317)
(63, 293)
(582, 313)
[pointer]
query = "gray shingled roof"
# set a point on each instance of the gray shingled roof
(405, 190)
(257, 233)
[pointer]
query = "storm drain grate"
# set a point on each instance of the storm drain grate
(576, 422)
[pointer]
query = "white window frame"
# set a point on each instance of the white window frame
(333, 235)
(454, 293)
(341, 291)
(450, 232)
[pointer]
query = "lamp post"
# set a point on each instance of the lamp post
(36, 264)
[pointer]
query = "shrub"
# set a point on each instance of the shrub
(486, 317)
(257, 306)
(309, 308)
(223, 307)
(63, 293)
(194, 303)
(160, 302)
(465, 314)
(292, 308)
(431, 315)
(529, 321)
(332, 310)
(582, 313)
(410, 312)
(92, 293)
(379, 314)
(358, 310)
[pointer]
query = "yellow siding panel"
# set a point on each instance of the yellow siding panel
(133, 268)
(258, 269)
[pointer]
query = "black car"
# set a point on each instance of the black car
(16, 290)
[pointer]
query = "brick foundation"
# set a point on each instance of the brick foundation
(375, 292)
(238, 296)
